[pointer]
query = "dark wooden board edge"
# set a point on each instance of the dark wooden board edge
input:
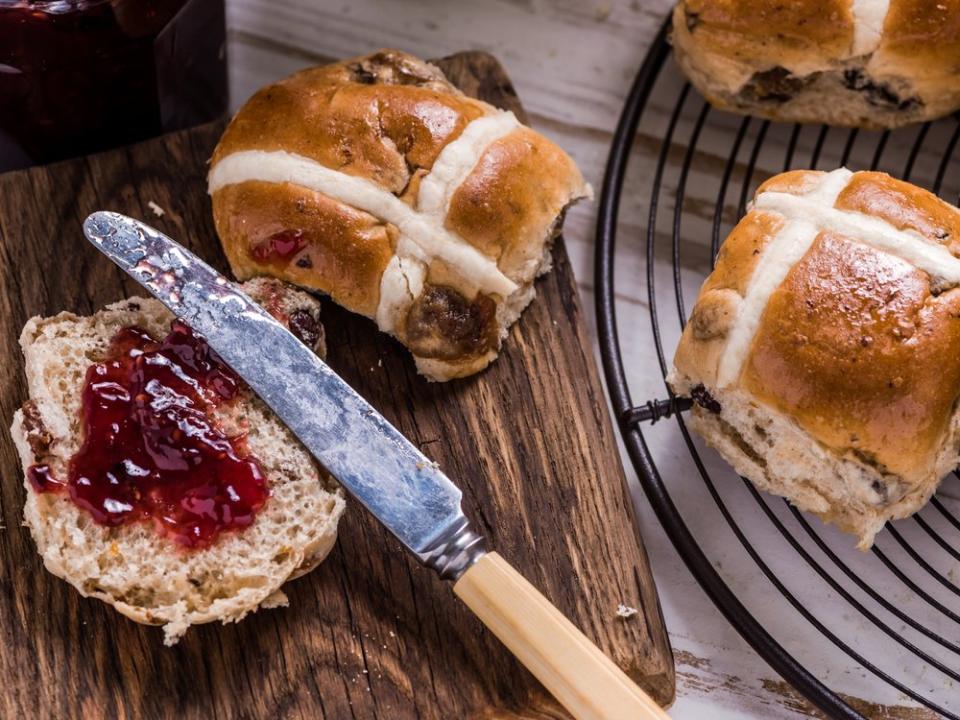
(540, 408)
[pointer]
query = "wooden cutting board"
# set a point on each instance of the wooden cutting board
(369, 634)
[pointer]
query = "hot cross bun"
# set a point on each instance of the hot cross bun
(376, 181)
(824, 348)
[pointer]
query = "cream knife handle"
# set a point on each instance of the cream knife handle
(573, 669)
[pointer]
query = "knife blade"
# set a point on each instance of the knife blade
(376, 464)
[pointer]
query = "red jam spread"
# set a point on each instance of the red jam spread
(151, 449)
(279, 246)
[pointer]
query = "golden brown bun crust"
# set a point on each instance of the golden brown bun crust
(768, 30)
(925, 35)
(855, 349)
(894, 64)
(903, 205)
(375, 118)
(344, 250)
(504, 205)
(385, 119)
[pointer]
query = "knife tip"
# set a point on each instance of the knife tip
(120, 237)
(102, 224)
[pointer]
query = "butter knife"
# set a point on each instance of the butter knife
(376, 464)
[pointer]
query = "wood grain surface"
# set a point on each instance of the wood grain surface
(369, 634)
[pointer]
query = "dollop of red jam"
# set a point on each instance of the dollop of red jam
(152, 450)
(279, 246)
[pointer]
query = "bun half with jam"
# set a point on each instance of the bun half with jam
(156, 480)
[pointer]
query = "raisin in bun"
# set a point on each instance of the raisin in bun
(376, 181)
(856, 63)
(823, 353)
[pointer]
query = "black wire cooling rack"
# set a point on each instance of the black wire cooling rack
(797, 591)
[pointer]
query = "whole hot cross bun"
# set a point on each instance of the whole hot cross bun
(378, 182)
(823, 353)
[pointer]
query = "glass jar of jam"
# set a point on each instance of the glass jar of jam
(78, 76)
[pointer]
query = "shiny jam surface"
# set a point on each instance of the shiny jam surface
(152, 450)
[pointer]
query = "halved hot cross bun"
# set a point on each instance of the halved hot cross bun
(376, 181)
(863, 63)
(823, 352)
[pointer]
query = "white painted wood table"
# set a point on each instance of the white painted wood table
(572, 62)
